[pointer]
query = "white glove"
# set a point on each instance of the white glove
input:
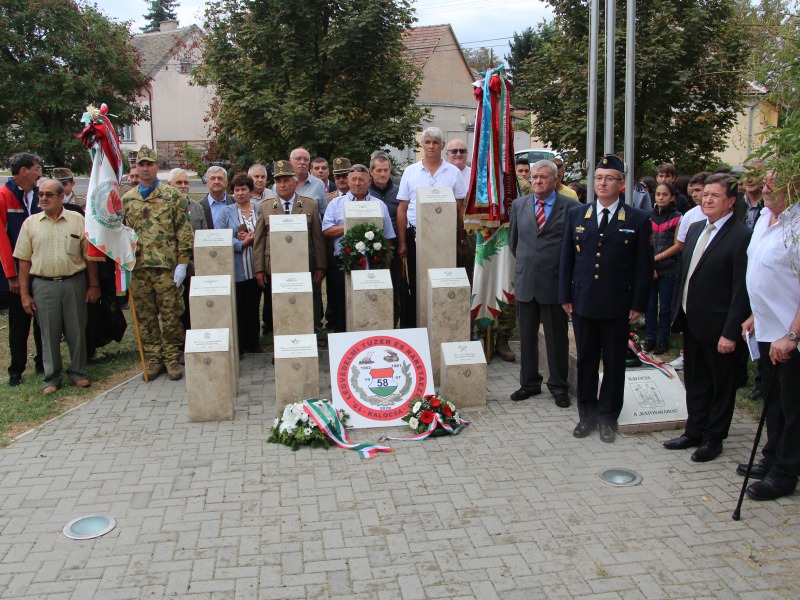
(180, 274)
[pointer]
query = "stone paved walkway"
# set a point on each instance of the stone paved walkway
(511, 508)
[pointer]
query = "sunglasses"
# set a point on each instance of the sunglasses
(458, 151)
(49, 194)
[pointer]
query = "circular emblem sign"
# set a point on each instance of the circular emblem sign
(106, 205)
(378, 376)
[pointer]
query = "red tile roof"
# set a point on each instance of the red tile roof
(422, 41)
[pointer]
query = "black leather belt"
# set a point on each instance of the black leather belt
(55, 278)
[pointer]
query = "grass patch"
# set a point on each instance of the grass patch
(25, 407)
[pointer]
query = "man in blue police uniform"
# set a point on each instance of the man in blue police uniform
(604, 285)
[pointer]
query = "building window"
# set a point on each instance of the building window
(185, 68)
(126, 133)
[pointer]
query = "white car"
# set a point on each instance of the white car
(535, 154)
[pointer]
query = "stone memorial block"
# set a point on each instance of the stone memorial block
(448, 310)
(436, 242)
(372, 301)
(212, 305)
(463, 374)
(213, 252)
(288, 243)
(292, 303)
(356, 213)
(653, 401)
(210, 380)
(296, 369)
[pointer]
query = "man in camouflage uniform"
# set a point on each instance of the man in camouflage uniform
(158, 213)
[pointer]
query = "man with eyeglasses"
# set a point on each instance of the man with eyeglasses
(307, 184)
(341, 172)
(604, 285)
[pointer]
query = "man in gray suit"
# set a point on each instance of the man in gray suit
(535, 236)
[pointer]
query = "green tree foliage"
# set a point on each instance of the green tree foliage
(158, 11)
(689, 55)
(481, 60)
(58, 57)
(329, 75)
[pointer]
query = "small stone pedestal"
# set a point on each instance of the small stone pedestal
(296, 369)
(210, 380)
(288, 243)
(653, 401)
(436, 242)
(463, 374)
(212, 305)
(292, 304)
(448, 310)
(356, 213)
(213, 252)
(372, 300)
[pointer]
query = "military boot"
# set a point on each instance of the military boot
(502, 349)
(174, 372)
(153, 370)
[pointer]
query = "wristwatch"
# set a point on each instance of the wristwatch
(792, 336)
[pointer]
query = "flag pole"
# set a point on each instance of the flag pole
(138, 337)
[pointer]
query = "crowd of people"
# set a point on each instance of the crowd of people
(687, 254)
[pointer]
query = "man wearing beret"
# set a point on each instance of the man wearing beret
(604, 285)
(159, 215)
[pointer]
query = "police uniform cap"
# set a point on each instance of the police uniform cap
(610, 161)
(146, 154)
(63, 174)
(341, 166)
(283, 168)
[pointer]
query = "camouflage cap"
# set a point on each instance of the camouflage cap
(341, 166)
(146, 155)
(283, 168)
(62, 174)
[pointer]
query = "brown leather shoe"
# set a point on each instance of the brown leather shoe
(502, 349)
(83, 383)
(50, 389)
(153, 371)
(174, 372)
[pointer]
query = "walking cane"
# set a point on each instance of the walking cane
(738, 511)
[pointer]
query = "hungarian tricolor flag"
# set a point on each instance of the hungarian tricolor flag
(105, 225)
(492, 188)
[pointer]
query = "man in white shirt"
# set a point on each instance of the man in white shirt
(260, 193)
(307, 184)
(774, 288)
(431, 171)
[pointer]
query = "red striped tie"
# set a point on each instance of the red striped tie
(540, 213)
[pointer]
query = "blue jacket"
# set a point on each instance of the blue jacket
(230, 220)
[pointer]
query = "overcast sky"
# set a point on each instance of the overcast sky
(474, 26)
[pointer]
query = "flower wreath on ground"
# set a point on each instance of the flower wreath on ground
(636, 356)
(364, 247)
(432, 416)
(316, 423)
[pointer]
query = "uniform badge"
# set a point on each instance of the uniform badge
(580, 229)
(621, 214)
(145, 213)
(588, 213)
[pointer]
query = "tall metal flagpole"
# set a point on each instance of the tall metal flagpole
(630, 96)
(611, 38)
(591, 112)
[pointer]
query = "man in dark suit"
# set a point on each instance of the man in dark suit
(536, 234)
(604, 284)
(216, 200)
(709, 305)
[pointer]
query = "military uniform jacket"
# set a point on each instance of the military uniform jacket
(162, 224)
(316, 243)
(605, 277)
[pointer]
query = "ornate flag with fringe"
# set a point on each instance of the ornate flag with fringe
(105, 226)
(493, 186)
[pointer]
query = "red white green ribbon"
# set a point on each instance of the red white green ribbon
(646, 360)
(437, 420)
(326, 418)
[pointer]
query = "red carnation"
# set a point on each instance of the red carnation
(426, 417)
(435, 403)
(347, 249)
(447, 411)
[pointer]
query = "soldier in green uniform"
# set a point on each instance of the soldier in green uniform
(158, 214)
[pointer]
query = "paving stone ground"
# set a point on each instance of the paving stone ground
(511, 508)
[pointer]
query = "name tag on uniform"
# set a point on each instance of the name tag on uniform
(627, 231)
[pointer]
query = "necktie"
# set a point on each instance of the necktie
(698, 252)
(604, 221)
(540, 218)
(286, 207)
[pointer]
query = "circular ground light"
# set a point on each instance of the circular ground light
(89, 527)
(619, 477)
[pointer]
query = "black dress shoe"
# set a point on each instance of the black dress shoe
(562, 400)
(769, 489)
(681, 442)
(607, 434)
(14, 381)
(582, 429)
(755, 394)
(758, 471)
(649, 345)
(708, 450)
(661, 348)
(523, 394)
